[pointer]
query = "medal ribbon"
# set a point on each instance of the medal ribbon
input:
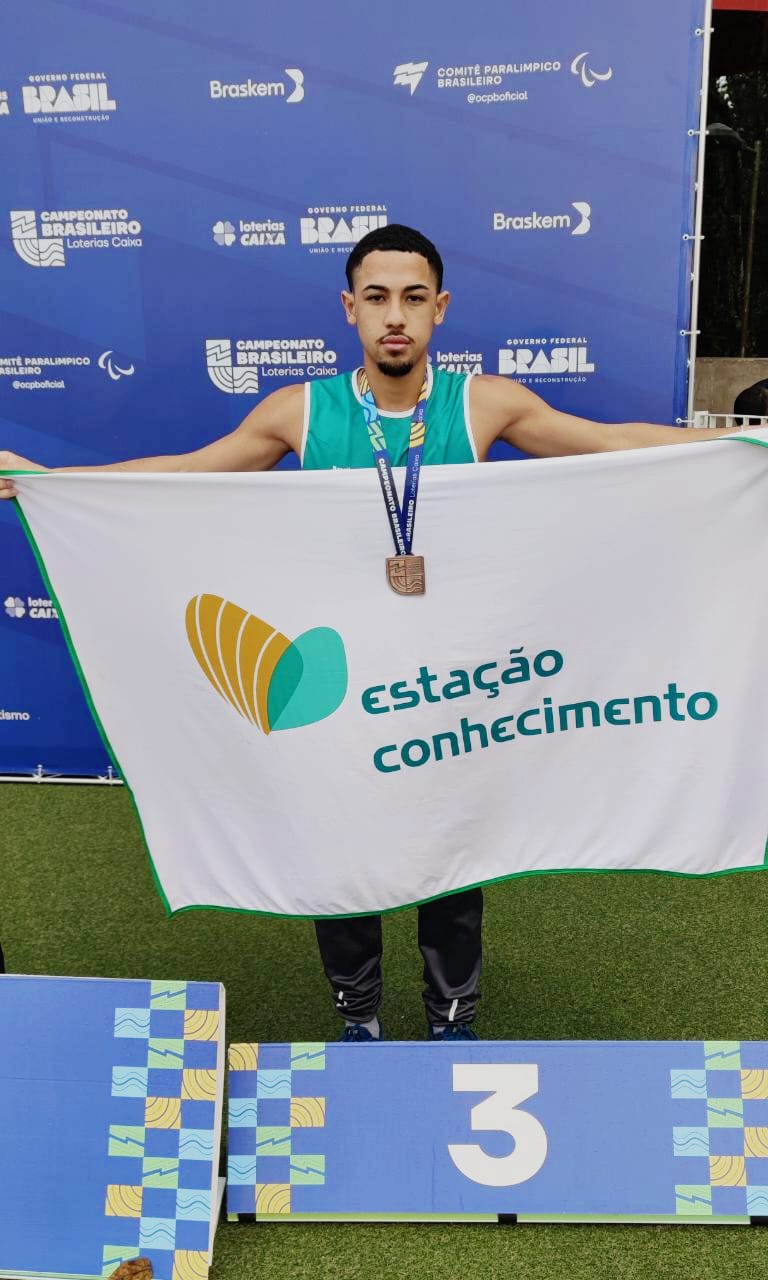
(401, 521)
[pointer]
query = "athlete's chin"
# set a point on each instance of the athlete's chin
(395, 369)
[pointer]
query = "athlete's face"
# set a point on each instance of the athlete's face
(395, 306)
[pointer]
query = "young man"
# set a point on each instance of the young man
(394, 299)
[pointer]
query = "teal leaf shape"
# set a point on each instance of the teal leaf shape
(310, 680)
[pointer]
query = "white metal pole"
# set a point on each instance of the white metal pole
(706, 38)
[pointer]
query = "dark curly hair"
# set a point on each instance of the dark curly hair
(401, 239)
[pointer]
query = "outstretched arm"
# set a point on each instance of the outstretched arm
(263, 437)
(505, 410)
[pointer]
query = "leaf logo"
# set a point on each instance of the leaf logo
(269, 680)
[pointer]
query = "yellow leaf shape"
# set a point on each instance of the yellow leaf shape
(162, 1113)
(755, 1141)
(307, 1113)
(190, 1264)
(198, 1084)
(123, 1201)
(727, 1171)
(273, 1197)
(243, 1057)
(754, 1084)
(201, 1024)
(237, 652)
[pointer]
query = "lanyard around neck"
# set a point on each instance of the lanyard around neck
(401, 521)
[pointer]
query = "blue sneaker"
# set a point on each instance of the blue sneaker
(358, 1034)
(454, 1031)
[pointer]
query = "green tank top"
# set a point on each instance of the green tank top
(335, 433)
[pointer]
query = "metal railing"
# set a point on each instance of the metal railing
(736, 421)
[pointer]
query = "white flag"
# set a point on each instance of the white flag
(583, 685)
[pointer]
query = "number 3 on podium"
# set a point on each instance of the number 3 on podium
(509, 1084)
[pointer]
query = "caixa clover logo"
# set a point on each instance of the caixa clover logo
(271, 681)
(14, 606)
(33, 607)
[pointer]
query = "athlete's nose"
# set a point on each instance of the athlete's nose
(394, 318)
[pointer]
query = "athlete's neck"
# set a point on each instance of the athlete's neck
(395, 394)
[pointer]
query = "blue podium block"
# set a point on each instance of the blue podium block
(662, 1131)
(110, 1115)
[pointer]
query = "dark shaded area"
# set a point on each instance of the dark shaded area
(735, 209)
(739, 42)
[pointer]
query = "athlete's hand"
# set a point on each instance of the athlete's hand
(14, 462)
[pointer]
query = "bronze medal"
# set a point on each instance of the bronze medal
(405, 575)
(405, 571)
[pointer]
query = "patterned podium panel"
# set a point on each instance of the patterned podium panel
(604, 1131)
(110, 1110)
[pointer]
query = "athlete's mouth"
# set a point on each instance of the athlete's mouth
(396, 342)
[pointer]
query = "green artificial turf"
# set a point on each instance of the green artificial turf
(567, 957)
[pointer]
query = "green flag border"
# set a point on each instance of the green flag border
(348, 915)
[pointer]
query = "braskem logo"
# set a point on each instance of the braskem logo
(271, 681)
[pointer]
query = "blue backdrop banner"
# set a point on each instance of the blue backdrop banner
(179, 194)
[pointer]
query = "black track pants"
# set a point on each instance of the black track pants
(449, 940)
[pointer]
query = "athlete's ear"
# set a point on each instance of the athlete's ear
(441, 304)
(348, 303)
